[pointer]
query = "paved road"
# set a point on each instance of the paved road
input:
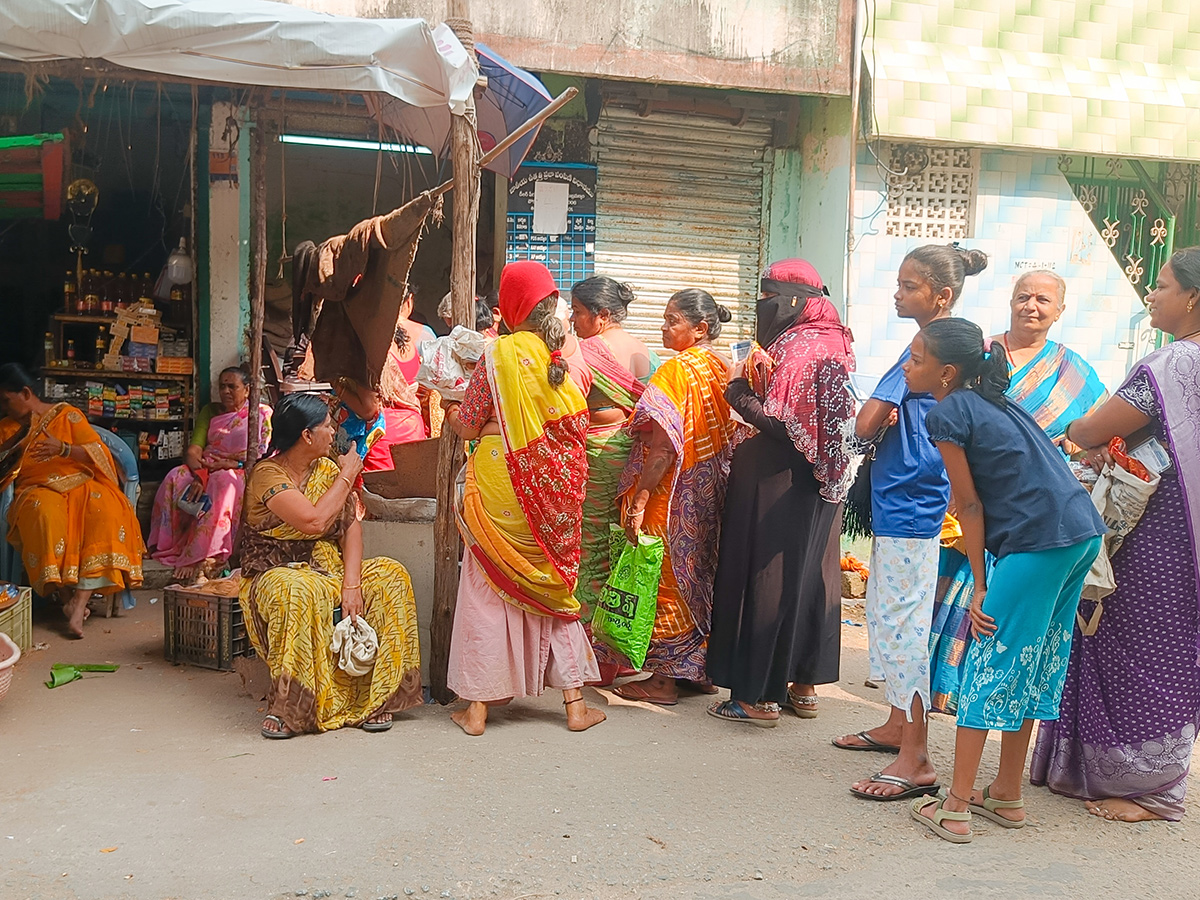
(165, 765)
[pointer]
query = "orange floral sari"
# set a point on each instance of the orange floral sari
(69, 521)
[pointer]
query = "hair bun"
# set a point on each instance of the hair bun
(625, 294)
(974, 261)
(723, 314)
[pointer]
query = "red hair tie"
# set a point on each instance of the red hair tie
(556, 356)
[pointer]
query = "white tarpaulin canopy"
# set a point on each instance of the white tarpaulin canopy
(248, 42)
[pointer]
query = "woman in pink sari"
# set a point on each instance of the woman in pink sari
(200, 544)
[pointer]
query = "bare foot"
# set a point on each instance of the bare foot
(580, 717)
(473, 719)
(1117, 810)
(188, 574)
(924, 776)
(76, 612)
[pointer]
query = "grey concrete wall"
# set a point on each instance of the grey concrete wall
(785, 46)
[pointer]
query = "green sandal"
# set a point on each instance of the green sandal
(940, 815)
(988, 808)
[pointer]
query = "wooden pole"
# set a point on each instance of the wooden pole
(465, 156)
(258, 282)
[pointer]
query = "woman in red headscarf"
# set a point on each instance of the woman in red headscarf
(517, 628)
(777, 595)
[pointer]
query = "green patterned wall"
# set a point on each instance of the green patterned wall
(1103, 77)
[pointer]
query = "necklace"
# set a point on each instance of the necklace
(1007, 352)
(1186, 336)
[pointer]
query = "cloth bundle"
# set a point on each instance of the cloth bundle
(447, 362)
(355, 644)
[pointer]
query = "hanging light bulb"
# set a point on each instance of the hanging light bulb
(179, 268)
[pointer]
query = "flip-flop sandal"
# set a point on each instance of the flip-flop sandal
(908, 789)
(803, 705)
(282, 734)
(940, 815)
(988, 808)
(376, 726)
(868, 743)
(731, 711)
(631, 691)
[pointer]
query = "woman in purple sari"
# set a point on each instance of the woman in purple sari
(1131, 706)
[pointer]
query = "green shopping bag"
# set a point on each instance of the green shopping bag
(624, 616)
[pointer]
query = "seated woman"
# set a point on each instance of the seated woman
(72, 526)
(301, 556)
(200, 544)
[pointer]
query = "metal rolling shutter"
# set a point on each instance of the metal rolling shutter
(679, 204)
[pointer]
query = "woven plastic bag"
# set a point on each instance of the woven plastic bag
(625, 610)
(1120, 496)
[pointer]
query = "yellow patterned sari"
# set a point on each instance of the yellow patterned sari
(290, 586)
(70, 521)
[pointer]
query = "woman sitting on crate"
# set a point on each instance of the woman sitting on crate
(302, 571)
(200, 544)
(72, 526)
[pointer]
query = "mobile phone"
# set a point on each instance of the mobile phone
(741, 351)
(337, 615)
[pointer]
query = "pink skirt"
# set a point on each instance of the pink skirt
(498, 651)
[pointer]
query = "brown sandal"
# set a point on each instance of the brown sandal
(632, 691)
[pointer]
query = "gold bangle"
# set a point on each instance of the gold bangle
(351, 587)
(349, 483)
(65, 450)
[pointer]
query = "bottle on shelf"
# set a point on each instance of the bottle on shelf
(91, 296)
(70, 292)
(148, 286)
(101, 347)
(70, 353)
(122, 297)
(48, 346)
(107, 289)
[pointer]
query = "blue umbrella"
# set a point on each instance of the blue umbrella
(512, 97)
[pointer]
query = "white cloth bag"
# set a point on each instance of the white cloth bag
(355, 644)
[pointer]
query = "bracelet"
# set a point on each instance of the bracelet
(349, 483)
(351, 587)
(65, 450)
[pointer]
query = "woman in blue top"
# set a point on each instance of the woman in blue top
(1045, 534)
(909, 495)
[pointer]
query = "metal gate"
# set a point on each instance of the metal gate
(679, 203)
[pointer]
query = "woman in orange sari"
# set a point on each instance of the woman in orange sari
(517, 629)
(70, 522)
(674, 488)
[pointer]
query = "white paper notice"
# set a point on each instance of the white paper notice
(550, 208)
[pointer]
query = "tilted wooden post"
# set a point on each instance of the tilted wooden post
(465, 156)
(258, 281)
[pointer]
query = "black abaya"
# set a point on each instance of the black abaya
(777, 596)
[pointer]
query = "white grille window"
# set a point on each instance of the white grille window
(935, 198)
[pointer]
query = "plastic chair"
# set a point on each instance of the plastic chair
(11, 567)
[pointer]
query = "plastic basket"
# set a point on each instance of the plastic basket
(17, 620)
(10, 653)
(203, 630)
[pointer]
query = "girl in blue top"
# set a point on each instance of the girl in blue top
(909, 494)
(1044, 532)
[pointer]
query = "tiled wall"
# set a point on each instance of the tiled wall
(1024, 213)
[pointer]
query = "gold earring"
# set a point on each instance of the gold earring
(945, 383)
(1191, 305)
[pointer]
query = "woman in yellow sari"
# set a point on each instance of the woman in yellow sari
(674, 488)
(302, 571)
(70, 522)
(517, 628)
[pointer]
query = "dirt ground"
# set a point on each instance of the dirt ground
(153, 782)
